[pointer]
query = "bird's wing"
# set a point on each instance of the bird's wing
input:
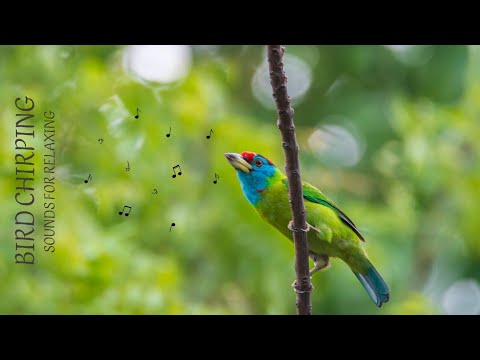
(311, 193)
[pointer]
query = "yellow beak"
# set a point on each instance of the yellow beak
(238, 162)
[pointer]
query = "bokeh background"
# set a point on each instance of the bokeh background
(390, 133)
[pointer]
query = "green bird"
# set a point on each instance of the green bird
(333, 235)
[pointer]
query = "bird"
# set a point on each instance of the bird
(332, 233)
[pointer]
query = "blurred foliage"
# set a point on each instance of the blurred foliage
(414, 193)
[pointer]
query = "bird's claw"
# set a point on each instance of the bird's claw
(294, 286)
(291, 228)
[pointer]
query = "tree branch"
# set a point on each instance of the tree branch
(278, 80)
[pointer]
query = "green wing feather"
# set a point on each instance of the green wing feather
(311, 193)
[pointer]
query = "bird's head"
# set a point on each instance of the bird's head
(255, 173)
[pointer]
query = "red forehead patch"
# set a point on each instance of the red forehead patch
(248, 156)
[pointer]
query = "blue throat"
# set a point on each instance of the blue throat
(253, 183)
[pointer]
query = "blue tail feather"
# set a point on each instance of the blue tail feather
(375, 286)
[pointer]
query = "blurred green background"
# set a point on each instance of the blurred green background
(390, 133)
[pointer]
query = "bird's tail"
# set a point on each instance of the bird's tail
(375, 285)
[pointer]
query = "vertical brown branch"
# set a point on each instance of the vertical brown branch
(278, 80)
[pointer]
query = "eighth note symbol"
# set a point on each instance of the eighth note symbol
(136, 116)
(211, 132)
(179, 173)
(216, 178)
(123, 210)
(89, 178)
(173, 224)
(168, 135)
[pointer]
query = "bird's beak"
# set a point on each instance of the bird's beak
(238, 162)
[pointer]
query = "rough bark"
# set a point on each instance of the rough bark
(299, 227)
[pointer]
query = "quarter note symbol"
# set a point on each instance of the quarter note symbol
(173, 224)
(211, 132)
(174, 173)
(168, 135)
(216, 178)
(123, 211)
(88, 179)
(128, 166)
(136, 116)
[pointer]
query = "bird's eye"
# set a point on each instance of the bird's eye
(258, 162)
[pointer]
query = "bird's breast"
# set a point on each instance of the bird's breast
(274, 207)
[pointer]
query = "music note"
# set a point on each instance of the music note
(101, 141)
(128, 166)
(211, 132)
(89, 178)
(168, 135)
(179, 173)
(126, 213)
(136, 116)
(216, 178)
(155, 191)
(173, 224)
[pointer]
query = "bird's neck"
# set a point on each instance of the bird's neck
(255, 184)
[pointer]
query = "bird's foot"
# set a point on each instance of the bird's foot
(321, 262)
(291, 228)
(294, 286)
